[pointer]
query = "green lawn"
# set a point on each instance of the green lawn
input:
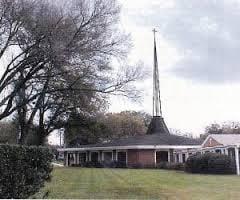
(140, 184)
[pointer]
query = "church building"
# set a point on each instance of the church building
(156, 146)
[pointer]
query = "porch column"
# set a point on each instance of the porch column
(174, 158)
(226, 151)
(180, 157)
(155, 157)
(237, 160)
(66, 159)
(222, 151)
(186, 156)
(89, 158)
(74, 158)
(171, 155)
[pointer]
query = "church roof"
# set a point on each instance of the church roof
(157, 134)
(153, 139)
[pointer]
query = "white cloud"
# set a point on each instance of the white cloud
(205, 33)
(198, 45)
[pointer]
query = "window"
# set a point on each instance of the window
(107, 156)
(184, 157)
(94, 156)
(161, 156)
(82, 157)
(218, 151)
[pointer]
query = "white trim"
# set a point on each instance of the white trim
(237, 160)
(132, 147)
(217, 147)
(169, 158)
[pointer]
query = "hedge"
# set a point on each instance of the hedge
(23, 170)
(210, 163)
(91, 164)
(171, 166)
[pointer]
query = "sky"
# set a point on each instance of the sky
(198, 43)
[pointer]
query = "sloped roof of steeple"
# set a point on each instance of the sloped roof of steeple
(158, 126)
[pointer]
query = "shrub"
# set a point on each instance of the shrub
(117, 164)
(162, 165)
(170, 166)
(210, 163)
(92, 164)
(23, 170)
(176, 166)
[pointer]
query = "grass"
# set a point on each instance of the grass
(139, 184)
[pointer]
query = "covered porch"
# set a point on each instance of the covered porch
(130, 156)
(80, 157)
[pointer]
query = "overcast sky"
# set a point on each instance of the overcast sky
(198, 46)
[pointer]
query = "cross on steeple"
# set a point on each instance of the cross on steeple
(154, 32)
(157, 110)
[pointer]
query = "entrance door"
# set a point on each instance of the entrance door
(161, 156)
(70, 159)
(107, 157)
(94, 156)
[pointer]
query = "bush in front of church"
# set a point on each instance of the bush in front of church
(210, 163)
(23, 170)
(171, 166)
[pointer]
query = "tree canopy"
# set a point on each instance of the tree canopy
(56, 58)
(105, 127)
(230, 127)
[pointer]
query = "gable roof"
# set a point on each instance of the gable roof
(224, 139)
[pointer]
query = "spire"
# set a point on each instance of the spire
(157, 110)
(157, 124)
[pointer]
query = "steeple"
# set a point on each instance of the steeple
(157, 110)
(157, 124)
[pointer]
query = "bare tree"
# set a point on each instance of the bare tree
(56, 53)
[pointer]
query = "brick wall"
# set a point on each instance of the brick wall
(141, 158)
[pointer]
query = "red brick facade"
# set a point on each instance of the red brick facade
(141, 158)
